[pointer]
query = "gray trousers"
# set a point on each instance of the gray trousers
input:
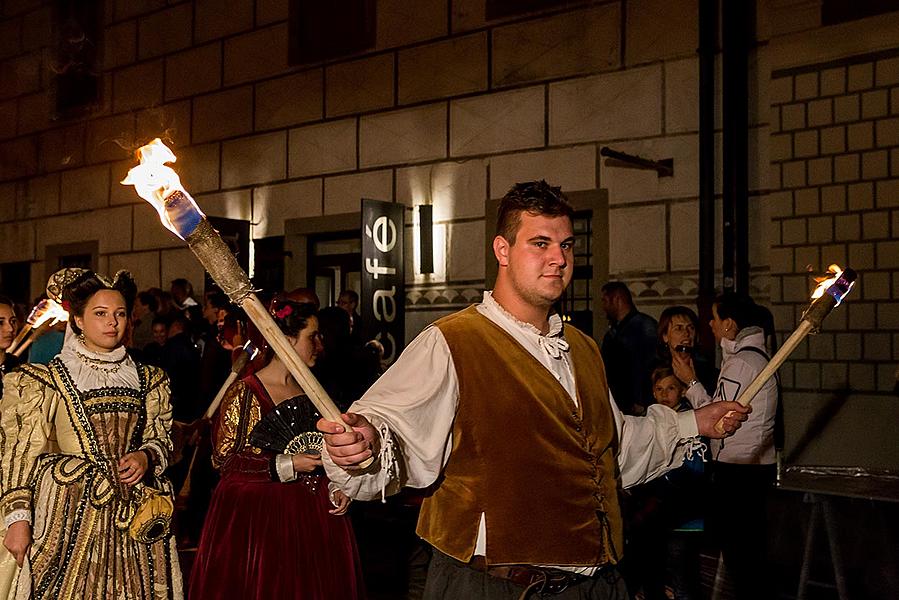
(449, 579)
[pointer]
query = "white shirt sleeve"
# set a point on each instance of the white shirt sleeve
(652, 445)
(414, 403)
(697, 396)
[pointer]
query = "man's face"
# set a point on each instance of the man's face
(159, 333)
(346, 304)
(608, 305)
(539, 264)
(139, 310)
(210, 313)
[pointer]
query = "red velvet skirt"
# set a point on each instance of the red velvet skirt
(265, 540)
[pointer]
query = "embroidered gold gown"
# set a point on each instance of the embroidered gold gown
(59, 449)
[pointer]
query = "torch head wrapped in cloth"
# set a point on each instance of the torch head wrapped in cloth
(161, 187)
(831, 290)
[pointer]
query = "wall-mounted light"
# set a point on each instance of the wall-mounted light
(426, 238)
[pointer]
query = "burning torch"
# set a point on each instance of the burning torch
(161, 187)
(46, 311)
(828, 295)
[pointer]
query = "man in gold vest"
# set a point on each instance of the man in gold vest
(507, 414)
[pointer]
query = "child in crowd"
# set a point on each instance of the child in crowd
(664, 517)
(668, 390)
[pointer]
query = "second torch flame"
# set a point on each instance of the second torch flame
(831, 290)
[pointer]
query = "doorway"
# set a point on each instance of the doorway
(335, 264)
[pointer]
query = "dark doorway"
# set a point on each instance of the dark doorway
(268, 263)
(335, 264)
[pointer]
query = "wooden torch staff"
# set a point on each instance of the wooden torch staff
(23, 347)
(18, 339)
(216, 257)
(811, 321)
(248, 352)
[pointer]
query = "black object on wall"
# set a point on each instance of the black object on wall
(426, 238)
(708, 46)
(738, 29)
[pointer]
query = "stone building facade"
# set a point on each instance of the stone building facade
(449, 107)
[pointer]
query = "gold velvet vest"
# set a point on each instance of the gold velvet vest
(542, 470)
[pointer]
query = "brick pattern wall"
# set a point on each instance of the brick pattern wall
(835, 175)
(835, 149)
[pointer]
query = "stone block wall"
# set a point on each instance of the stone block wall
(448, 108)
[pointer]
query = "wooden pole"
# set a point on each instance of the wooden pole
(21, 336)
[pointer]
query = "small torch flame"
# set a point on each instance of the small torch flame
(58, 313)
(833, 283)
(37, 312)
(155, 182)
(47, 311)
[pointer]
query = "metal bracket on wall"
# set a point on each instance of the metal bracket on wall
(663, 168)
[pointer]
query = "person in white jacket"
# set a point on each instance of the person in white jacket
(744, 465)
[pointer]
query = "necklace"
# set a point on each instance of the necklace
(106, 366)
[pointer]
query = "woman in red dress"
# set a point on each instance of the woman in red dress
(274, 528)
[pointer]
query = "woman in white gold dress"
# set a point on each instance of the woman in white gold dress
(79, 439)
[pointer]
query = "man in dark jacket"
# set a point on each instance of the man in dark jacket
(628, 349)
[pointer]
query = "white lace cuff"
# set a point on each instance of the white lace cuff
(695, 446)
(284, 468)
(387, 458)
(20, 514)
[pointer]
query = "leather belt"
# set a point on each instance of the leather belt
(542, 580)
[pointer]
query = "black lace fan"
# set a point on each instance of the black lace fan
(289, 428)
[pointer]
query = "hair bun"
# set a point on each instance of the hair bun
(62, 279)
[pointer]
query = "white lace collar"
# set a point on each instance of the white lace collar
(93, 370)
(553, 342)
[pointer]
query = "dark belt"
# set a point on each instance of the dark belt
(542, 580)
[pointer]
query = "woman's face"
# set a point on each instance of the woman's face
(104, 321)
(680, 332)
(308, 343)
(722, 328)
(9, 323)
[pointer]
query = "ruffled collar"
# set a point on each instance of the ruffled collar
(553, 342)
(92, 370)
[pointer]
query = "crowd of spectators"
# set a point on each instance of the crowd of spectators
(669, 519)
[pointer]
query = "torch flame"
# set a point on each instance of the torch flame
(154, 182)
(54, 313)
(828, 279)
(37, 312)
(836, 282)
(46, 310)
